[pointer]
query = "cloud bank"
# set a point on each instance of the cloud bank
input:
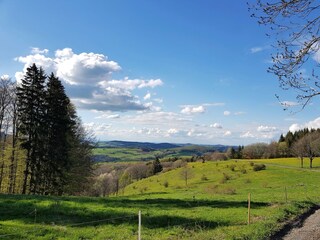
(89, 79)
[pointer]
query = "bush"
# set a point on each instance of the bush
(225, 178)
(259, 167)
(232, 167)
(204, 178)
(166, 184)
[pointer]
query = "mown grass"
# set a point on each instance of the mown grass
(212, 206)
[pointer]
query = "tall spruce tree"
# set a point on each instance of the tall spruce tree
(31, 126)
(58, 149)
(59, 126)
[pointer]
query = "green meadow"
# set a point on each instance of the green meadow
(211, 204)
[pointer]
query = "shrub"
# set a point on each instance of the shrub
(225, 178)
(232, 167)
(259, 167)
(166, 184)
(204, 178)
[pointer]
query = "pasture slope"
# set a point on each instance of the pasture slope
(212, 204)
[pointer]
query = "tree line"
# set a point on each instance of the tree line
(44, 148)
(304, 143)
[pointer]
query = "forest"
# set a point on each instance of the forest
(44, 147)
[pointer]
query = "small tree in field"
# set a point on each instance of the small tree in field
(157, 167)
(186, 174)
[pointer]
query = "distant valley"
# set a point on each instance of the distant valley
(124, 151)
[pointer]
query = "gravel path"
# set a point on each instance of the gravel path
(310, 230)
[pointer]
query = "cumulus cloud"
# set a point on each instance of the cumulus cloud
(189, 109)
(131, 84)
(88, 79)
(147, 96)
(266, 129)
(247, 135)
(216, 125)
(227, 133)
(312, 124)
(39, 51)
(5, 77)
(172, 131)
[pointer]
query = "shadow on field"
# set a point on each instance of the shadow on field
(82, 212)
(167, 203)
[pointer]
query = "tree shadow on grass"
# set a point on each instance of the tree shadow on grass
(65, 215)
(165, 203)
(83, 212)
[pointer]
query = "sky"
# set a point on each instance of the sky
(158, 71)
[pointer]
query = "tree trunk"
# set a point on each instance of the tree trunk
(311, 162)
(301, 162)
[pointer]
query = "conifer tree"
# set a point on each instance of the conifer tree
(59, 124)
(31, 125)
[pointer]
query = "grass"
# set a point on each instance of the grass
(214, 207)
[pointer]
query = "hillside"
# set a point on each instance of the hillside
(212, 205)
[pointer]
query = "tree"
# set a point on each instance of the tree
(80, 156)
(255, 151)
(156, 166)
(295, 24)
(186, 174)
(59, 124)
(31, 125)
(299, 150)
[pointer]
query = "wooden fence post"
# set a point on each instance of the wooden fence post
(249, 206)
(139, 227)
(286, 194)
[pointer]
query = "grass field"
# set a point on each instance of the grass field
(213, 205)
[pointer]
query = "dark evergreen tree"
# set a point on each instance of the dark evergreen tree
(31, 125)
(157, 167)
(59, 125)
(80, 156)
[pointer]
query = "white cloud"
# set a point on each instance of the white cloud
(216, 125)
(108, 116)
(88, 79)
(147, 96)
(173, 131)
(36, 50)
(131, 84)
(5, 77)
(227, 133)
(226, 113)
(312, 124)
(266, 129)
(189, 109)
(289, 103)
(247, 135)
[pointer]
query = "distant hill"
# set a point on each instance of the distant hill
(119, 151)
(126, 144)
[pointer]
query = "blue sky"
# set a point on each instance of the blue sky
(160, 71)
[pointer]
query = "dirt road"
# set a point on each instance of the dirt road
(310, 229)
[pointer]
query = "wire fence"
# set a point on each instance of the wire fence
(282, 194)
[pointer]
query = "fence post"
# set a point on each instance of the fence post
(139, 226)
(286, 194)
(35, 215)
(249, 205)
